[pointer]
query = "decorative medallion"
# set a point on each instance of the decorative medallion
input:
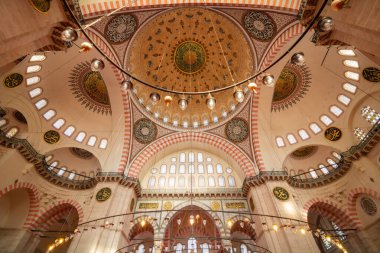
(304, 152)
(237, 130)
(132, 205)
(251, 205)
(280, 193)
(333, 134)
(51, 137)
(215, 206)
(292, 85)
(371, 74)
(145, 131)
(20, 117)
(368, 206)
(259, 25)
(81, 153)
(189, 57)
(13, 80)
(89, 89)
(103, 194)
(120, 28)
(168, 205)
(41, 5)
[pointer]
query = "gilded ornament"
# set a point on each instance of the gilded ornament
(120, 28)
(103, 194)
(371, 74)
(51, 137)
(368, 206)
(13, 80)
(145, 131)
(235, 205)
(259, 25)
(333, 134)
(215, 206)
(147, 205)
(189, 57)
(237, 130)
(168, 205)
(280, 193)
(41, 5)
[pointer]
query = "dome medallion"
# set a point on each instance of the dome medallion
(190, 57)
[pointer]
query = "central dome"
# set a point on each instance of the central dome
(189, 57)
(189, 49)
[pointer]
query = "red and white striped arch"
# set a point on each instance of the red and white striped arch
(353, 196)
(92, 8)
(33, 199)
(221, 144)
(50, 215)
(332, 212)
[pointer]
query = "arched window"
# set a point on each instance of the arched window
(80, 137)
(161, 182)
(221, 181)
(201, 181)
(3, 122)
(182, 169)
(351, 63)
(344, 99)
(210, 169)
(231, 181)
(49, 114)
(205, 248)
(72, 175)
(171, 182)
(163, 169)
(141, 248)
(336, 155)
(280, 142)
(192, 245)
(178, 248)
(211, 181)
(291, 138)
(32, 80)
(303, 134)
(69, 131)
(152, 182)
(346, 52)
(181, 181)
(53, 165)
(201, 169)
(61, 172)
(11, 132)
(336, 110)
(326, 120)
(352, 75)
(172, 169)
(219, 168)
(243, 248)
(313, 173)
(191, 169)
(41, 104)
(103, 143)
(35, 92)
(48, 158)
(191, 157)
(59, 123)
(91, 141)
(349, 87)
(315, 128)
(324, 169)
(332, 163)
(182, 157)
(200, 158)
(37, 57)
(33, 69)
